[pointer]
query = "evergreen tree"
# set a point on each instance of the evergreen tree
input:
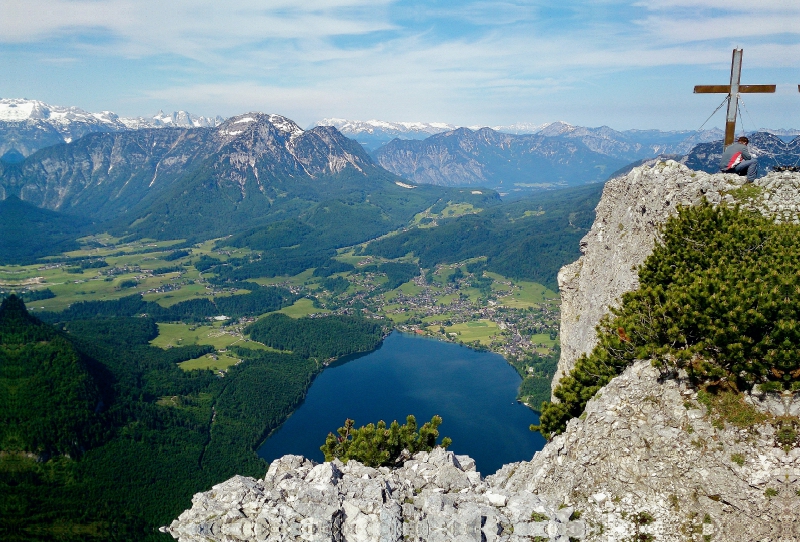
(717, 297)
(376, 445)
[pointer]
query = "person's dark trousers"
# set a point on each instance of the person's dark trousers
(746, 167)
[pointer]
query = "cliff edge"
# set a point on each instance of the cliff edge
(631, 211)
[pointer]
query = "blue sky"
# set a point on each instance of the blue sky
(621, 63)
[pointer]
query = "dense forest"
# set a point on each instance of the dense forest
(321, 338)
(537, 373)
(30, 233)
(104, 437)
(258, 301)
(528, 239)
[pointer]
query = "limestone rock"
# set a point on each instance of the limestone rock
(431, 497)
(646, 446)
(626, 226)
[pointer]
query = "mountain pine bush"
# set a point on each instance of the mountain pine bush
(376, 445)
(718, 297)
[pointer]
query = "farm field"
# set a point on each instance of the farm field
(302, 307)
(471, 305)
(528, 294)
(451, 210)
(215, 362)
(170, 335)
(483, 331)
(297, 280)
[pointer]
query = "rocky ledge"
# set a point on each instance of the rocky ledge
(628, 218)
(437, 496)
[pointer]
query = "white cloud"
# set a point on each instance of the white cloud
(152, 25)
(368, 58)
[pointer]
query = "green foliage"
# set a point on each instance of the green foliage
(738, 459)
(336, 285)
(376, 445)
(176, 255)
(331, 267)
(38, 295)
(93, 264)
(322, 338)
(259, 395)
(142, 435)
(517, 243)
(258, 301)
(49, 399)
(204, 263)
(396, 273)
(30, 233)
(165, 270)
(718, 298)
(537, 374)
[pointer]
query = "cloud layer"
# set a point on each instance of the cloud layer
(465, 62)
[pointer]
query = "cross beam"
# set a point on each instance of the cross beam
(733, 90)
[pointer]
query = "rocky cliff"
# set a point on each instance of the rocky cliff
(627, 222)
(650, 458)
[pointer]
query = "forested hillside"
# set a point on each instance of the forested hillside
(527, 239)
(203, 183)
(29, 233)
(104, 437)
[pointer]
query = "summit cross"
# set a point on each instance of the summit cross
(733, 90)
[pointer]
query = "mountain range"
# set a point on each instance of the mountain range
(314, 190)
(549, 155)
(29, 125)
(557, 155)
(373, 134)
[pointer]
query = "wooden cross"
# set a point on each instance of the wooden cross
(733, 90)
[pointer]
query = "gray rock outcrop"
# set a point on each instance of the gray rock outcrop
(437, 497)
(626, 226)
(646, 458)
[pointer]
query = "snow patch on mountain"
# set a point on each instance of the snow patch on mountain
(285, 125)
(352, 127)
(29, 125)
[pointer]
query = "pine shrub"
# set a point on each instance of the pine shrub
(718, 297)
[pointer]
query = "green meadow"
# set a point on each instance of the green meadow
(483, 331)
(302, 307)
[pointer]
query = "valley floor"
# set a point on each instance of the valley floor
(460, 302)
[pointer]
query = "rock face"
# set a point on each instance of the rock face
(645, 458)
(646, 461)
(628, 218)
(437, 496)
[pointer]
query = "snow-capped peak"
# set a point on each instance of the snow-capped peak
(20, 110)
(285, 125)
(351, 127)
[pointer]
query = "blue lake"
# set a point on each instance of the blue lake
(474, 392)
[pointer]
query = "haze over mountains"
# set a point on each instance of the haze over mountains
(29, 125)
(512, 159)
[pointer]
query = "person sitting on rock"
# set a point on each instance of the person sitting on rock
(736, 158)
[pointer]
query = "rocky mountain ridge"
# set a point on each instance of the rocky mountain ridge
(627, 222)
(648, 460)
(29, 125)
(109, 173)
(558, 154)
